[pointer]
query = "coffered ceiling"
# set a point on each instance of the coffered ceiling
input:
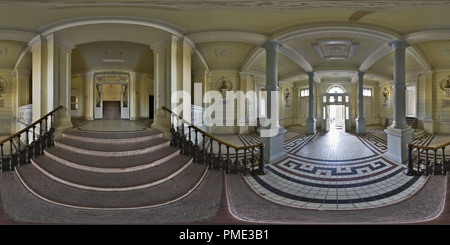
(333, 38)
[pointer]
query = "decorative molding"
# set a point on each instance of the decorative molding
(61, 25)
(335, 49)
(235, 36)
(428, 35)
(172, 40)
(17, 33)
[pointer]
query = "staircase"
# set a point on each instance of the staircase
(111, 170)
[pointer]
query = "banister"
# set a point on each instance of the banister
(410, 171)
(211, 136)
(31, 125)
(180, 139)
(429, 147)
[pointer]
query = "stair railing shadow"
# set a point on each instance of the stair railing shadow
(181, 138)
(22, 143)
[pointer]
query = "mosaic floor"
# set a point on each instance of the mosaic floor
(338, 171)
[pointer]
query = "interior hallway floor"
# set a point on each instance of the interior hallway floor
(330, 178)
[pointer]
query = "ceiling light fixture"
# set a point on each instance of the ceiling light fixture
(111, 60)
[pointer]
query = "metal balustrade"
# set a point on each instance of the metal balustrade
(430, 160)
(186, 137)
(23, 143)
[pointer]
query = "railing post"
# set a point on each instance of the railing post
(196, 147)
(261, 167)
(34, 142)
(1, 157)
(172, 131)
(228, 159)
(237, 161)
(409, 170)
(245, 162)
(18, 150)
(418, 161)
(46, 133)
(11, 165)
(211, 154)
(52, 130)
(220, 158)
(204, 150)
(27, 147)
(40, 139)
(426, 162)
(183, 139)
(253, 160)
(189, 142)
(435, 160)
(443, 161)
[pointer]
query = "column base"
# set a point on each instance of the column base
(274, 146)
(397, 142)
(360, 126)
(163, 129)
(428, 125)
(311, 126)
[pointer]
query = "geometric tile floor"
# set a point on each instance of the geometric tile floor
(336, 171)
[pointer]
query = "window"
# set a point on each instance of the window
(74, 103)
(367, 92)
(304, 93)
(336, 90)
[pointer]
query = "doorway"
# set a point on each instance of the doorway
(337, 117)
(111, 96)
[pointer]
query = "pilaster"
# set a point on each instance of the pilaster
(360, 121)
(311, 121)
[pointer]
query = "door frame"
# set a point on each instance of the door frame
(101, 79)
(335, 99)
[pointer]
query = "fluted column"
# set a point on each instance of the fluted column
(360, 121)
(399, 134)
(311, 121)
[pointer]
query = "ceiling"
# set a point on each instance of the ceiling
(335, 39)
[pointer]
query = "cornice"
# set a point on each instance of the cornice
(17, 33)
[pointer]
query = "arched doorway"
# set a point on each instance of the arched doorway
(336, 109)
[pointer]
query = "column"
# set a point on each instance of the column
(59, 65)
(428, 121)
(360, 121)
(399, 134)
(165, 80)
(311, 121)
(272, 134)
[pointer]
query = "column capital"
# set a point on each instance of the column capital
(272, 44)
(311, 74)
(399, 43)
(361, 73)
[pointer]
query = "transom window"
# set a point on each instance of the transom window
(367, 92)
(335, 90)
(304, 93)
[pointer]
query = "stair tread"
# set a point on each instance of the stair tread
(111, 148)
(59, 193)
(114, 181)
(111, 135)
(103, 163)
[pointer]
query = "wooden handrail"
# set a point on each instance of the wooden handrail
(211, 136)
(429, 147)
(31, 125)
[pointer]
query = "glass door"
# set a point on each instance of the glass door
(124, 108)
(98, 111)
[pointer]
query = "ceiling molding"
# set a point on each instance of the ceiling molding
(332, 28)
(157, 24)
(17, 34)
(428, 35)
(234, 36)
(296, 56)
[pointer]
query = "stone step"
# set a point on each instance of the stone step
(112, 150)
(62, 194)
(111, 181)
(102, 164)
(112, 137)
